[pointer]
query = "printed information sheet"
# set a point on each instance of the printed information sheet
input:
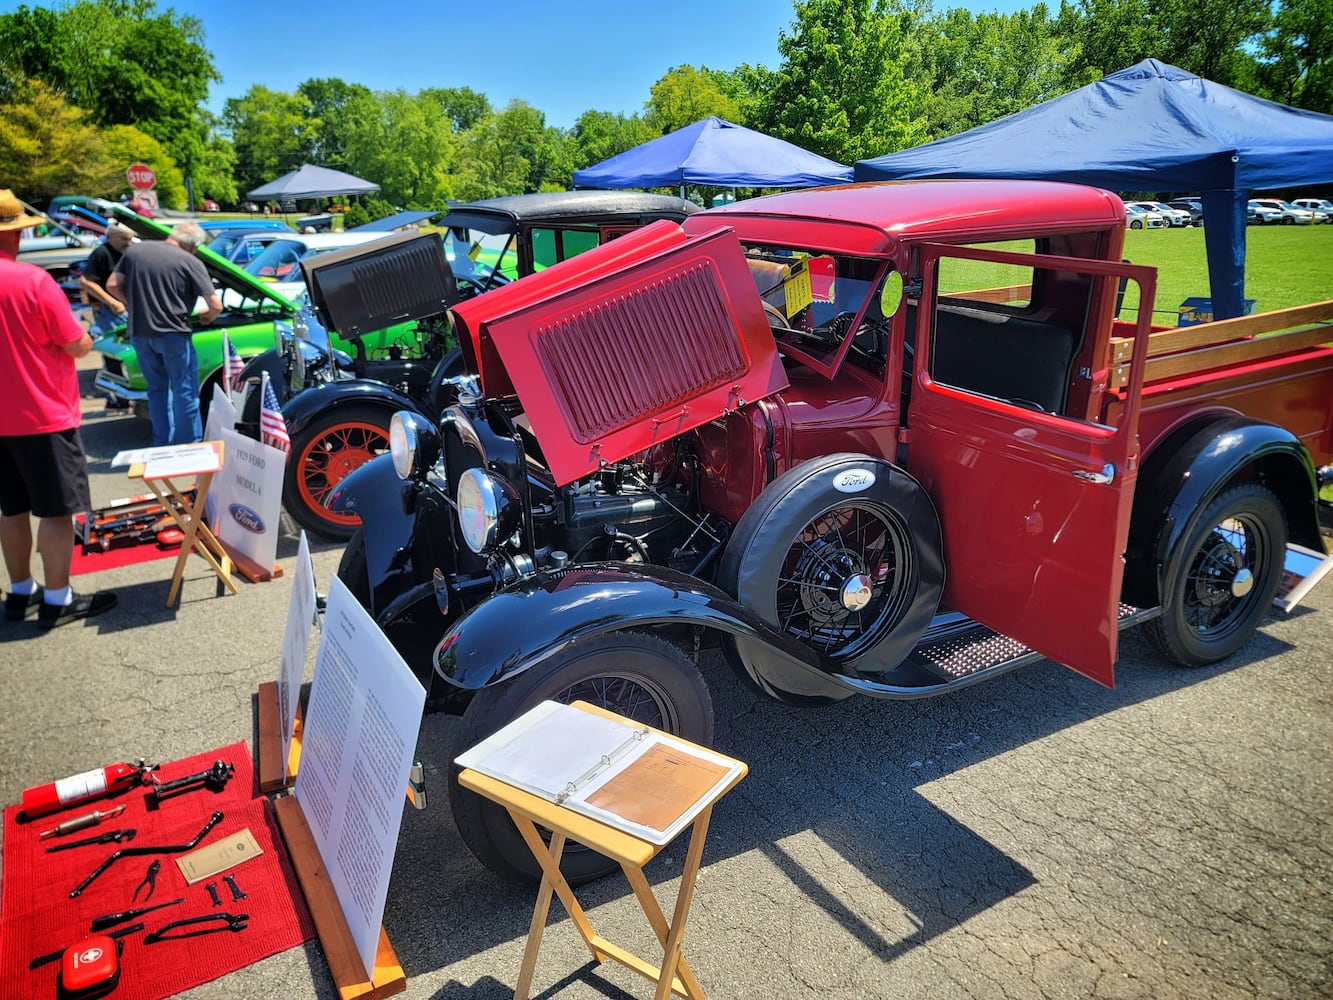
(358, 740)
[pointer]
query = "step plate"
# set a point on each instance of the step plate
(979, 648)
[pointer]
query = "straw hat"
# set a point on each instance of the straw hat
(12, 215)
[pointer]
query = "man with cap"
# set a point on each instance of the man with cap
(43, 471)
(108, 311)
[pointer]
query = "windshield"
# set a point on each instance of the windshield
(813, 299)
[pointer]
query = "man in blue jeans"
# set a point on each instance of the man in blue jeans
(160, 282)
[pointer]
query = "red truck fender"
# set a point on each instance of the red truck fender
(1190, 467)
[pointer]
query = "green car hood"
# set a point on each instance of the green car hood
(225, 274)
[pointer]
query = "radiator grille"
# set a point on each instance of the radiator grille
(640, 352)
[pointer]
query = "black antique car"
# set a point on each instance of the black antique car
(338, 407)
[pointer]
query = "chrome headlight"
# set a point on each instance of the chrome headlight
(487, 509)
(413, 442)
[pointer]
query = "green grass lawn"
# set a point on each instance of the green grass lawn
(1284, 266)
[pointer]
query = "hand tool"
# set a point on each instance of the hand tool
(126, 852)
(237, 893)
(111, 836)
(111, 919)
(212, 888)
(89, 785)
(215, 779)
(80, 822)
(150, 880)
(234, 922)
(53, 956)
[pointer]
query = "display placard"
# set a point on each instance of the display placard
(357, 744)
(247, 498)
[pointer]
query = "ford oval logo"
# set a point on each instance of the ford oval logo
(853, 480)
(246, 518)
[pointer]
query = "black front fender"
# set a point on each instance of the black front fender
(536, 618)
(305, 406)
(403, 525)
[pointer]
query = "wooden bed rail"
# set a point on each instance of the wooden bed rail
(1223, 343)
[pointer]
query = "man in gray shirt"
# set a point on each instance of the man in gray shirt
(159, 283)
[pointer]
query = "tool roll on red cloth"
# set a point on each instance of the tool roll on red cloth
(37, 915)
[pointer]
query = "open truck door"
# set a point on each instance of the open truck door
(1034, 492)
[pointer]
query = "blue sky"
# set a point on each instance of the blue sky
(563, 57)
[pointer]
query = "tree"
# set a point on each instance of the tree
(463, 106)
(687, 94)
(405, 144)
(980, 68)
(125, 144)
(47, 146)
(1206, 37)
(123, 62)
(329, 105)
(841, 90)
(1296, 63)
(272, 132)
(600, 135)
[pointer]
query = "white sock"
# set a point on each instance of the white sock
(60, 598)
(24, 587)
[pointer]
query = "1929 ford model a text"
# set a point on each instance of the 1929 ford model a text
(849, 437)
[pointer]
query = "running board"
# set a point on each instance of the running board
(957, 652)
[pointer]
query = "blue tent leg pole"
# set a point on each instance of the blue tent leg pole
(1224, 238)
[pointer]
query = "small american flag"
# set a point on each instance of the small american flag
(235, 365)
(272, 428)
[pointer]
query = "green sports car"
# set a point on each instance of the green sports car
(251, 307)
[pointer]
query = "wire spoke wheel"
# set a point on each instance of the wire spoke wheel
(325, 453)
(1220, 582)
(840, 585)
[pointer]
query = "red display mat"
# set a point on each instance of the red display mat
(37, 916)
(114, 558)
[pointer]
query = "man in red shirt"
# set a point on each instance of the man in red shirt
(43, 471)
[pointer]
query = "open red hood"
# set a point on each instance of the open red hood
(625, 345)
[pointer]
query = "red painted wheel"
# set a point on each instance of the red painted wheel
(325, 453)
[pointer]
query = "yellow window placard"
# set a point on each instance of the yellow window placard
(474, 251)
(796, 288)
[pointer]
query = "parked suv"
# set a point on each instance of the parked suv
(1321, 207)
(1192, 205)
(1172, 216)
(1287, 213)
(1257, 213)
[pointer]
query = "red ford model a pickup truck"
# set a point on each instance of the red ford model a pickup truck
(887, 439)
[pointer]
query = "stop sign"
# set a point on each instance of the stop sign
(141, 176)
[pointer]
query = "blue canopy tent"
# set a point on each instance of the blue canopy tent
(1151, 127)
(717, 153)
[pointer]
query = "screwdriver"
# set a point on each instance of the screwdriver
(80, 822)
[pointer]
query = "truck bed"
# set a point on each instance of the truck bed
(1275, 366)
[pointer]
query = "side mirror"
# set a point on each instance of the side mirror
(891, 294)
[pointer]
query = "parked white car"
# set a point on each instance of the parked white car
(1138, 217)
(1321, 207)
(1287, 213)
(1260, 214)
(1172, 216)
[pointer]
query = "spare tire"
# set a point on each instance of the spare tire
(844, 553)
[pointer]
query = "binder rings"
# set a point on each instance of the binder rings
(631, 777)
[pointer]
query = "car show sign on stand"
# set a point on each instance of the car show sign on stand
(248, 504)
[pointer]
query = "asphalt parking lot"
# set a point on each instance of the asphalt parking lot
(1034, 837)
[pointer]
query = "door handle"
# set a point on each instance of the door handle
(1101, 478)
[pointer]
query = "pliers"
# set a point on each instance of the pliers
(150, 880)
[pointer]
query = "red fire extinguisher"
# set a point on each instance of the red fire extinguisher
(81, 787)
